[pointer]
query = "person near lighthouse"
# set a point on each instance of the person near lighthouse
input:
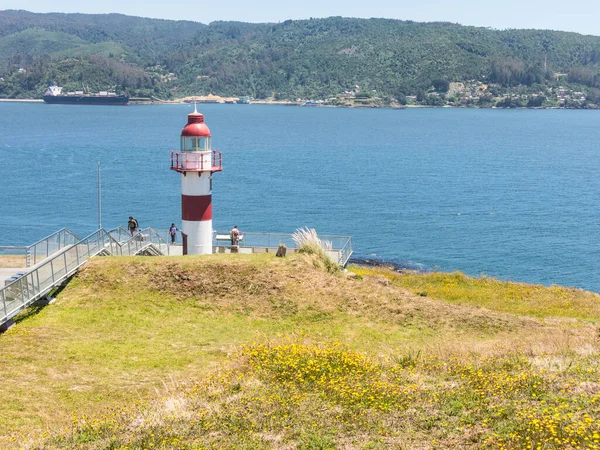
(235, 235)
(173, 233)
(133, 225)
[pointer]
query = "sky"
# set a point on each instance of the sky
(581, 16)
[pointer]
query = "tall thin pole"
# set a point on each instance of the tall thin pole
(99, 199)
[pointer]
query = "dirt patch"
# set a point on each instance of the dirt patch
(13, 261)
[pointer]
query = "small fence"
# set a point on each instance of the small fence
(341, 246)
(42, 249)
(48, 246)
(143, 237)
(13, 250)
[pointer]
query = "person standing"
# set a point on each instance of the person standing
(235, 236)
(173, 233)
(132, 225)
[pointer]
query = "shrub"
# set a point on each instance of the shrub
(308, 242)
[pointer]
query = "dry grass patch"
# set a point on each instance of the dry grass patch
(13, 261)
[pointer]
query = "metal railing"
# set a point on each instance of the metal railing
(36, 283)
(140, 239)
(49, 274)
(164, 234)
(341, 246)
(120, 234)
(13, 250)
(64, 255)
(209, 161)
(49, 245)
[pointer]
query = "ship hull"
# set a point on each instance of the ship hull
(86, 99)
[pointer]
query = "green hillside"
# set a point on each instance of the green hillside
(317, 58)
(258, 352)
(103, 49)
(37, 42)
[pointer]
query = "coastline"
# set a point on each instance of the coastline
(21, 100)
(221, 101)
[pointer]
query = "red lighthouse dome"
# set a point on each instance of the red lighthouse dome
(195, 126)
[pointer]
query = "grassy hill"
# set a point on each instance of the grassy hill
(238, 351)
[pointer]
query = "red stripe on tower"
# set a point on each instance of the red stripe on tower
(196, 208)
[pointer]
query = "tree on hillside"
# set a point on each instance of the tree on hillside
(441, 85)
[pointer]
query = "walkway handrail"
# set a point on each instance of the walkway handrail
(53, 271)
(49, 245)
(340, 245)
(146, 235)
(36, 283)
(20, 249)
(156, 239)
(346, 253)
(120, 234)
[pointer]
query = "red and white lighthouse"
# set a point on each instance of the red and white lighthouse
(196, 162)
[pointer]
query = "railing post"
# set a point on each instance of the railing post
(37, 275)
(26, 286)
(4, 303)
(77, 255)
(22, 291)
(65, 260)
(52, 270)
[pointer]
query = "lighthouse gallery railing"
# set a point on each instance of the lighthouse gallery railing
(196, 162)
(51, 273)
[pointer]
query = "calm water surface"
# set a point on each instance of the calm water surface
(510, 194)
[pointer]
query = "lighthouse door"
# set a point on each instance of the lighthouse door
(184, 239)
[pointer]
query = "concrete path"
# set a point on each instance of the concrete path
(9, 272)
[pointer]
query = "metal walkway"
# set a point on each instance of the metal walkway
(60, 255)
(55, 259)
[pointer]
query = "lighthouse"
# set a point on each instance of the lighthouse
(196, 161)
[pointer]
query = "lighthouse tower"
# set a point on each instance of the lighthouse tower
(196, 162)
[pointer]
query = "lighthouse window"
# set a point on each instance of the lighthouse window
(191, 144)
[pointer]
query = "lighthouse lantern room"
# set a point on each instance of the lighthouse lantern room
(196, 162)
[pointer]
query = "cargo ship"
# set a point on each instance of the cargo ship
(54, 95)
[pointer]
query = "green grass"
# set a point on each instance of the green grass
(205, 352)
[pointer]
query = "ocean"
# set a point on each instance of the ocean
(511, 194)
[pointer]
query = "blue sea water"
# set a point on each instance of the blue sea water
(511, 194)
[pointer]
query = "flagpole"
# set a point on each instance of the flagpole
(99, 200)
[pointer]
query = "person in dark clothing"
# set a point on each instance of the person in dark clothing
(132, 225)
(173, 233)
(235, 236)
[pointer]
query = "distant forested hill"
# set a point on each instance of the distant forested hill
(312, 58)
